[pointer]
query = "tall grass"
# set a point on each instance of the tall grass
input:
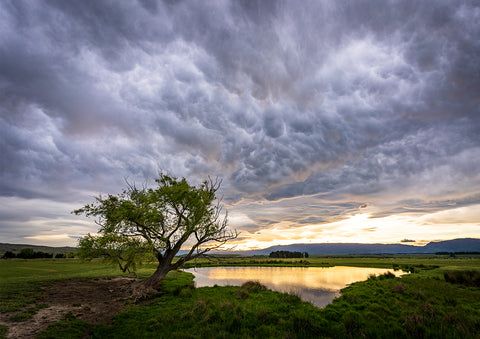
(467, 278)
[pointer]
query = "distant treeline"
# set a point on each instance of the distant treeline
(28, 253)
(456, 253)
(288, 254)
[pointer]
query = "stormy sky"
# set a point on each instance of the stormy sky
(328, 121)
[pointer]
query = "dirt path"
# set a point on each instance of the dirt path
(94, 301)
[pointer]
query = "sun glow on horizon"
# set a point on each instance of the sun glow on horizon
(363, 228)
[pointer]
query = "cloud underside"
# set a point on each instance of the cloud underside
(309, 113)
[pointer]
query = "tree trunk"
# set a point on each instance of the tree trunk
(141, 289)
(152, 284)
(154, 281)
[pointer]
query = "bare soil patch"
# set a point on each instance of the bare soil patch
(92, 300)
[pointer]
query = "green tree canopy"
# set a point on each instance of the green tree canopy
(26, 253)
(157, 222)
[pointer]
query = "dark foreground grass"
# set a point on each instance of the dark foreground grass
(69, 327)
(387, 307)
(467, 278)
(218, 312)
(412, 306)
(382, 307)
(3, 331)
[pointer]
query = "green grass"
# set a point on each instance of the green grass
(419, 305)
(28, 313)
(468, 278)
(383, 307)
(3, 331)
(31, 270)
(23, 281)
(413, 306)
(69, 327)
(176, 281)
(217, 312)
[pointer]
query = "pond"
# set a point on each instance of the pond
(317, 285)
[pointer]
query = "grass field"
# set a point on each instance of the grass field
(422, 304)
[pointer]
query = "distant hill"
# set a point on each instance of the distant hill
(455, 245)
(47, 249)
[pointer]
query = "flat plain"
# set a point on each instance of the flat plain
(68, 298)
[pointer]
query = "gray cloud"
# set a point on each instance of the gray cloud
(350, 103)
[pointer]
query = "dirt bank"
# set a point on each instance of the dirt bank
(94, 301)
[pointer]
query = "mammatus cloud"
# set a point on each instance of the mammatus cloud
(311, 114)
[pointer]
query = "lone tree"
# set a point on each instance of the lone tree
(158, 222)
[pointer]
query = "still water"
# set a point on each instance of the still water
(317, 285)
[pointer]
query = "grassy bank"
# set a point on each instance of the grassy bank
(419, 305)
(379, 261)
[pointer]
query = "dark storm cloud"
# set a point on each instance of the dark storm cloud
(298, 212)
(348, 102)
(441, 156)
(420, 207)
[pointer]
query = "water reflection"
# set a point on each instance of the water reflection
(318, 285)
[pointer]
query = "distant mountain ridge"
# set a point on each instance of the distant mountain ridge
(455, 245)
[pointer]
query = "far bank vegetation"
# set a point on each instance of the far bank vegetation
(288, 254)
